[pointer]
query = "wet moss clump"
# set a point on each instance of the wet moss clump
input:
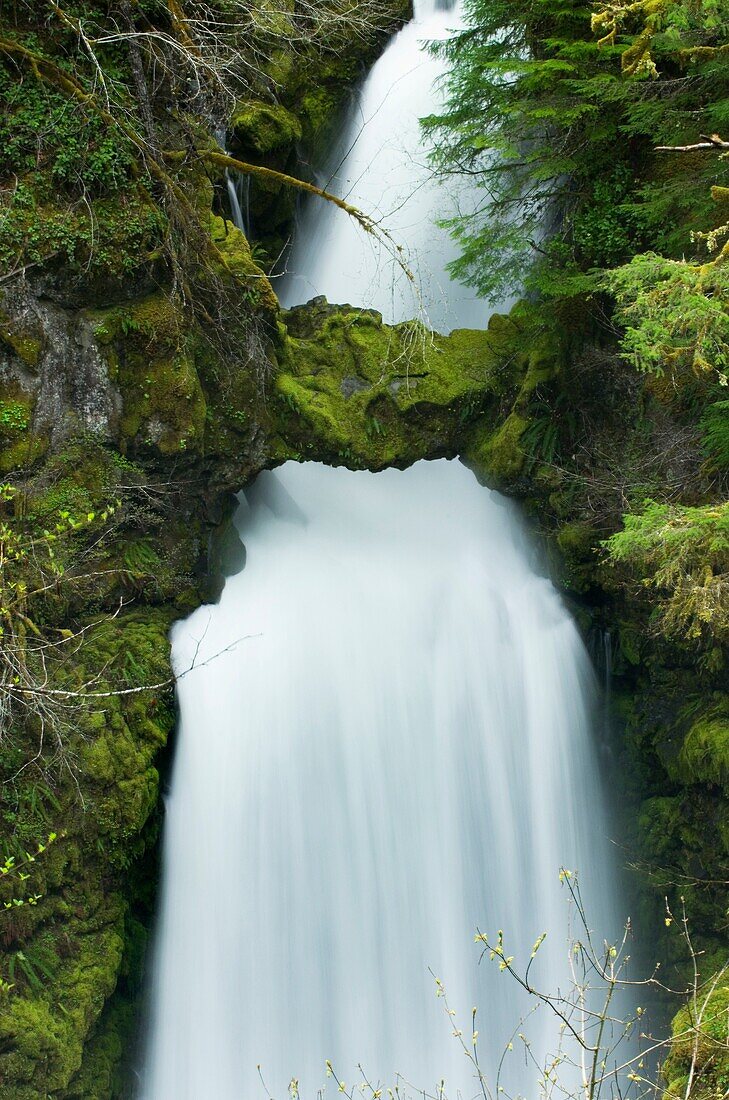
(700, 1047)
(63, 954)
(353, 391)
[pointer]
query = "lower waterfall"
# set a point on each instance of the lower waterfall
(396, 752)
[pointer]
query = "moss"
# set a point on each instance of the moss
(22, 340)
(151, 352)
(700, 1045)
(79, 922)
(677, 813)
(543, 361)
(500, 457)
(264, 127)
(529, 353)
(24, 453)
(252, 286)
(630, 643)
(110, 238)
(45, 1033)
(704, 756)
(352, 390)
(19, 446)
(660, 822)
(577, 541)
(79, 478)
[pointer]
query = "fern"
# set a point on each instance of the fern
(715, 428)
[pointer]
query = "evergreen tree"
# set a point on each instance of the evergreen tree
(556, 108)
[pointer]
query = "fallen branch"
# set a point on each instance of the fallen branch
(366, 222)
(709, 141)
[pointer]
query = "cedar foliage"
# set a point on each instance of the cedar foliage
(559, 123)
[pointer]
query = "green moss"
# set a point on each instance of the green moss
(500, 458)
(43, 1035)
(252, 286)
(355, 391)
(23, 453)
(630, 643)
(75, 935)
(529, 353)
(23, 341)
(577, 542)
(700, 1045)
(704, 756)
(151, 353)
(18, 446)
(109, 238)
(264, 127)
(660, 823)
(543, 361)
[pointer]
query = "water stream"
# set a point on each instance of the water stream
(387, 742)
(398, 753)
(380, 164)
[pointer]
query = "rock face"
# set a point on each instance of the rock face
(352, 391)
(53, 359)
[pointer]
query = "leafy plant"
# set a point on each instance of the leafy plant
(683, 553)
(676, 314)
(553, 111)
(715, 427)
(15, 872)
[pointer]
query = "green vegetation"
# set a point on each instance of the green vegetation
(683, 552)
(560, 128)
(355, 392)
(698, 1064)
(675, 314)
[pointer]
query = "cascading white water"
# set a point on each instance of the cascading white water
(398, 753)
(381, 165)
(236, 186)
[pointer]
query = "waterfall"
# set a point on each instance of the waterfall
(386, 742)
(381, 165)
(235, 186)
(399, 752)
(239, 221)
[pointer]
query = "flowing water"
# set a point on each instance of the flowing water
(387, 742)
(381, 165)
(400, 752)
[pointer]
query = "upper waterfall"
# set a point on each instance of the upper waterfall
(380, 164)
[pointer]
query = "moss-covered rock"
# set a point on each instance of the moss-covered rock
(63, 953)
(264, 127)
(149, 348)
(704, 755)
(698, 1064)
(352, 391)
